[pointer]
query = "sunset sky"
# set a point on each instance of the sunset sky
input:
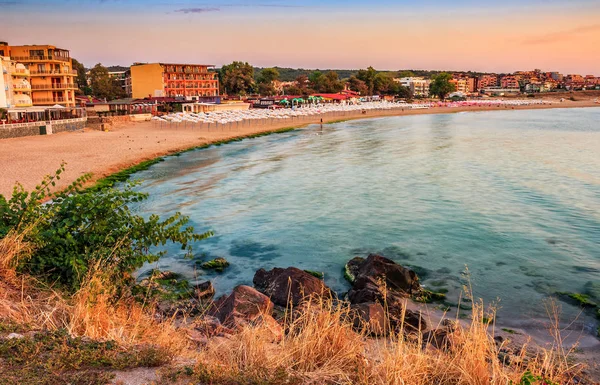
(500, 36)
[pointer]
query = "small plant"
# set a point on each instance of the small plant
(317, 274)
(582, 300)
(428, 296)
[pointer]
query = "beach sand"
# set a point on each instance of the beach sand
(27, 160)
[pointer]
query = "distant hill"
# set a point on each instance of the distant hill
(117, 68)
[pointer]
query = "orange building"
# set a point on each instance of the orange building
(509, 81)
(190, 81)
(486, 81)
(50, 70)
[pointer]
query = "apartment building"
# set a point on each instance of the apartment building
(418, 86)
(52, 77)
(461, 85)
(509, 82)
(190, 81)
(486, 81)
(15, 86)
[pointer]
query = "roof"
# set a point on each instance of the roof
(333, 96)
(174, 64)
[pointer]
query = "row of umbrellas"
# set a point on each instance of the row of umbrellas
(238, 117)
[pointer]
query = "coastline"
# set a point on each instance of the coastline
(27, 160)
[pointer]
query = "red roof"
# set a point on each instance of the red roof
(333, 96)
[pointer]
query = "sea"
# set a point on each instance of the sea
(503, 203)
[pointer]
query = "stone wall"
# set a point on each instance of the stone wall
(14, 131)
(40, 128)
(70, 126)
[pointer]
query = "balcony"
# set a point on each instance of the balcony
(23, 104)
(20, 72)
(52, 72)
(40, 58)
(22, 87)
(54, 86)
(49, 100)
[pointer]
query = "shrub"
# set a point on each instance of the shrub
(79, 230)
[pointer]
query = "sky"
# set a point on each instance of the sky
(484, 35)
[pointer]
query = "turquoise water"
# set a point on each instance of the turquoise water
(513, 195)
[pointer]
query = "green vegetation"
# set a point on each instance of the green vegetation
(582, 300)
(510, 331)
(441, 86)
(317, 274)
(103, 86)
(123, 175)
(81, 232)
(428, 296)
(55, 357)
(218, 264)
(237, 78)
(348, 274)
(529, 379)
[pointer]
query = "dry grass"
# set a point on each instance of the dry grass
(320, 345)
(322, 348)
(92, 312)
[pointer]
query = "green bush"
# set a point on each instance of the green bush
(79, 230)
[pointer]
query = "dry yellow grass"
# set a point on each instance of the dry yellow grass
(320, 345)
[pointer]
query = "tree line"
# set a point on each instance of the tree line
(242, 79)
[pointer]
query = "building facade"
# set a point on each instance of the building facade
(487, 81)
(193, 82)
(418, 86)
(509, 82)
(15, 84)
(52, 78)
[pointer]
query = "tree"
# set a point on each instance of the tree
(405, 74)
(441, 86)
(357, 85)
(103, 86)
(265, 81)
(81, 79)
(368, 76)
(315, 80)
(237, 78)
(268, 75)
(331, 83)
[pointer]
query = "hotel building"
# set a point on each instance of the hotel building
(486, 81)
(418, 86)
(52, 78)
(509, 82)
(15, 86)
(190, 81)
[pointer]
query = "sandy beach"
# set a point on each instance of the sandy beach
(27, 160)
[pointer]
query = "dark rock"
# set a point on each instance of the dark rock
(410, 321)
(351, 268)
(438, 338)
(370, 317)
(291, 283)
(378, 279)
(204, 291)
(244, 305)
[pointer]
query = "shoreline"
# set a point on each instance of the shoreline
(27, 160)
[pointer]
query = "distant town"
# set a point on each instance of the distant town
(40, 81)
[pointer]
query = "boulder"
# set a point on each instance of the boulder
(291, 283)
(204, 291)
(218, 264)
(243, 306)
(370, 317)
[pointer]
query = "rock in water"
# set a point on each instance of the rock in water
(291, 283)
(378, 279)
(244, 305)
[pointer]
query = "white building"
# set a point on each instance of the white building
(418, 86)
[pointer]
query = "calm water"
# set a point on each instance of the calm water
(513, 195)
